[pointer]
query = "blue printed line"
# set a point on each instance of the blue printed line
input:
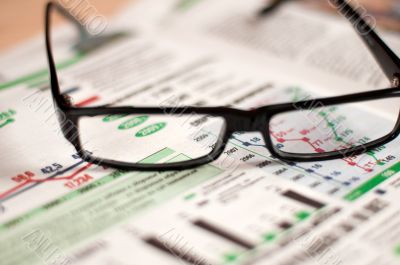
(58, 173)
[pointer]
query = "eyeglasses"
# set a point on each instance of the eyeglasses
(199, 135)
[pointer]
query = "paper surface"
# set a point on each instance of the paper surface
(244, 208)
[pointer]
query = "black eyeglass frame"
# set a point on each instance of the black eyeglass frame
(236, 120)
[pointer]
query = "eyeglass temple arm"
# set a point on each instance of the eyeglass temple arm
(55, 88)
(385, 57)
(87, 43)
(83, 34)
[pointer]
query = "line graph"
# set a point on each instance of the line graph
(338, 177)
(290, 164)
(334, 132)
(342, 181)
(342, 178)
(31, 183)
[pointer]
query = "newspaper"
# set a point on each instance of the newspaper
(245, 208)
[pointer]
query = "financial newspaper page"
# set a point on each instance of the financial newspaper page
(245, 208)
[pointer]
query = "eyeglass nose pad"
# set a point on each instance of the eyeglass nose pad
(92, 43)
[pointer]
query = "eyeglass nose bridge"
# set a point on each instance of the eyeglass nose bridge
(248, 121)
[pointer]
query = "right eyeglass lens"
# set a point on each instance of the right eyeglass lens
(321, 129)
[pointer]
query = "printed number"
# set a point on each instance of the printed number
(264, 164)
(200, 138)
(51, 168)
(76, 156)
(247, 157)
(23, 177)
(79, 181)
(255, 140)
(231, 151)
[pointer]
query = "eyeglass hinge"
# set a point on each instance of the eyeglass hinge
(67, 100)
(396, 81)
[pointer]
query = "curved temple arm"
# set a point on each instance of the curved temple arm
(385, 57)
(87, 43)
(83, 33)
(55, 88)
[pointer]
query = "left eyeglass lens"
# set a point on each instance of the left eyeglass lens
(151, 139)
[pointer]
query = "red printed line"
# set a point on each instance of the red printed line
(21, 185)
(11, 191)
(316, 149)
(87, 101)
(354, 164)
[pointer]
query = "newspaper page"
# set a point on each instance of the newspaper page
(245, 208)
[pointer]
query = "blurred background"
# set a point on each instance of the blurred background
(386, 12)
(23, 19)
